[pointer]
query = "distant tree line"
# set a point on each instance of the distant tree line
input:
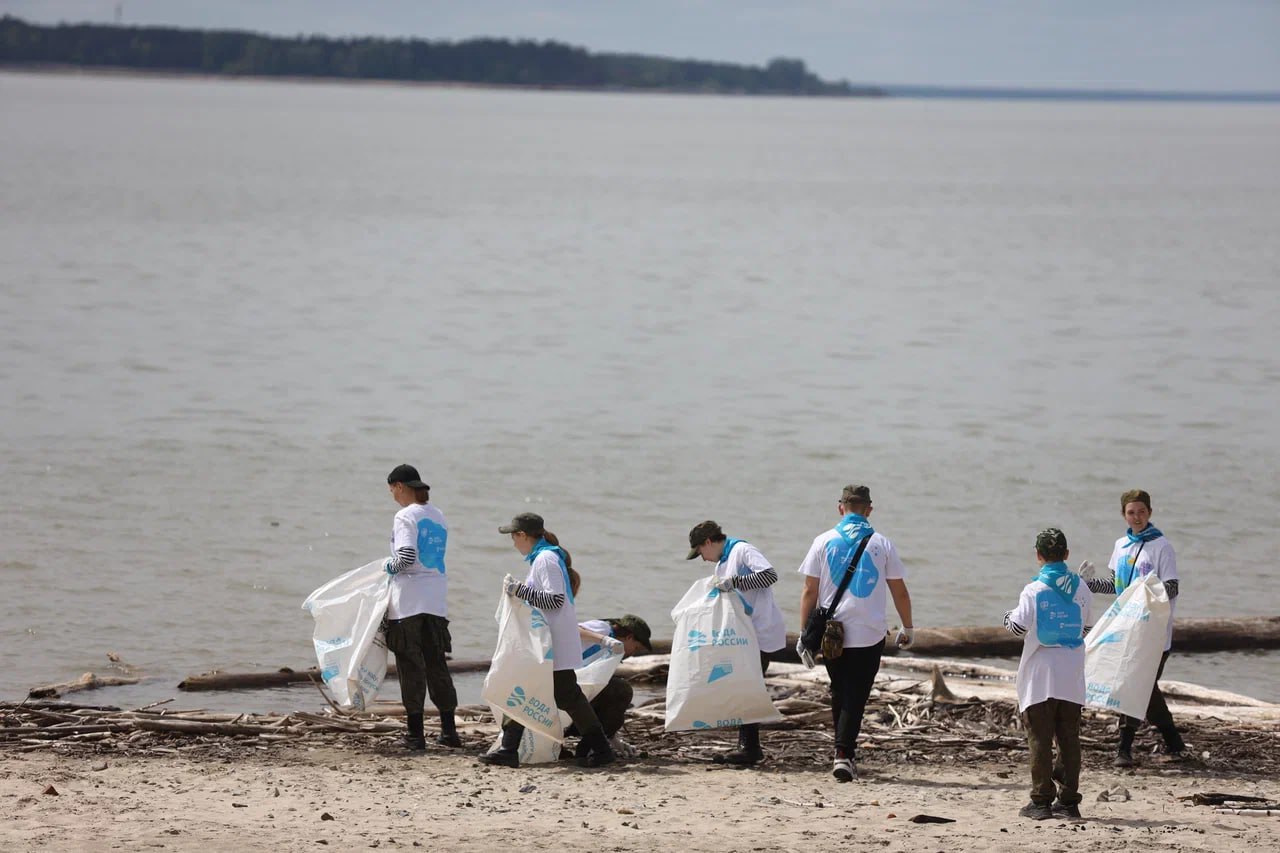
(497, 62)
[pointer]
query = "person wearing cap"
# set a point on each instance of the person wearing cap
(551, 586)
(417, 628)
(740, 566)
(1143, 550)
(1051, 618)
(626, 635)
(860, 612)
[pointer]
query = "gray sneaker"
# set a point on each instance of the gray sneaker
(844, 769)
(1036, 811)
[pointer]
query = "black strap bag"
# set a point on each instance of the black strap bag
(822, 631)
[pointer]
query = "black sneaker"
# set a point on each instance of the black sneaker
(844, 769)
(449, 740)
(1124, 758)
(743, 757)
(1036, 811)
(413, 744)
(1061, 809)
(500, 757)
(595, 752)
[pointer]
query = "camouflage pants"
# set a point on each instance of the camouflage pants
(419, 643)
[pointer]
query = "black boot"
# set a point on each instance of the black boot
(507, 755)
(595, 750)
(1173, 743)
(415, 740)
(1124, 755)
(748, 751)
(448, 730)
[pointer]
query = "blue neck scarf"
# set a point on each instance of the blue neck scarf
(853, 528)
(544, 545)
(1060, 579)
(1148, 533)
(728, 546)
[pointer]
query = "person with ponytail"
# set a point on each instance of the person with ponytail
(1141, 551)
(417, 626)
(551, 586)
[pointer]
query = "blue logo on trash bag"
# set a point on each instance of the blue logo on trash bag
(1113, 637)
(698, 724)
(719, 671)
(516, 699)
(697, 640)
(537, 620)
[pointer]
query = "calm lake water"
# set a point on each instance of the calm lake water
(228, 308)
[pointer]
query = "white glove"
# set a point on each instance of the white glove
(613, 644)
(1086, 570)
(510, 585)
(806, 656)
(906, 636)
(726, 584)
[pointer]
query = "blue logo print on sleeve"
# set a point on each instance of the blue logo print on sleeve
(431, 543)
(1058, 621)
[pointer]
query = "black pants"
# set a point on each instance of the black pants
(570, 699)
(611, 704)
(420, 643)
(852, 675)
(1045, 722)
(1157, 711)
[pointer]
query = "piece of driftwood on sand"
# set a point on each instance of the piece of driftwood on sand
(1193, 635)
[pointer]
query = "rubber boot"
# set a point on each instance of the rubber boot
(1173, 743)
(448, 730)
(1124, 755)
(748, 751)
(507, 755)
(415, 740)
(595, 750)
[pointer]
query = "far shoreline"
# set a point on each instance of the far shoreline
(889, 92)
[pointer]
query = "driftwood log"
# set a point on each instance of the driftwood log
(88, 681)
(1190, 635)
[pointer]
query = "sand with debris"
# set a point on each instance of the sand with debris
(339, 796)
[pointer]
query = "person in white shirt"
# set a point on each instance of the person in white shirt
(740, 566)
(1051, 616)
(624, 635)
(417, 626)
(551, 586)
(1144, 550)
(860, 612)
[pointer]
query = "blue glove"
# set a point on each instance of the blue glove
(389, 567)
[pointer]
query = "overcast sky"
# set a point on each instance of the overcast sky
(1146, 44)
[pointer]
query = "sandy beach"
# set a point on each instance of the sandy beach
(358, 794)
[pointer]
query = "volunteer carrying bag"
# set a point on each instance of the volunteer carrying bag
(351, 648)
(715, 679)
(519, 684)
(593, 675)
(1124, 647)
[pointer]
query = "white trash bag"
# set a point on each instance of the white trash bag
(351, 648)
(593, 676)
(715, 679)
(519, 684)
(1124, 647)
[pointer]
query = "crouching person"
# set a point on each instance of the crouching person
(625, 635)
(1050, 617)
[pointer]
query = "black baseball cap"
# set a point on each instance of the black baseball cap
(701, 533)
(408, 475)
(526, 522)
(638, 627)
